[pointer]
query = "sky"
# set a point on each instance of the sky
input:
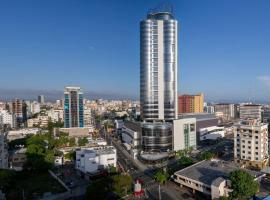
(224, 48)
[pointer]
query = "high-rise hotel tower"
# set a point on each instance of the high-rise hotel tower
(158, 60)
(73, 107)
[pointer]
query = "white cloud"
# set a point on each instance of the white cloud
(264, 79)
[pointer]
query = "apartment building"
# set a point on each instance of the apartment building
(191, 103)
(253, 111)
(225, 111)
(251, 143)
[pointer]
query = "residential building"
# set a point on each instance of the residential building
(131, 137)
(225, 111)
(73, 107)
(19, 108)
(34, 107)
(41, 99)
(184, 134)
(190, 103)
(252, 111)
(158, 66)
(251, 143)
(3, 151)
(89, 120)
(95, 159)
(209, 109)
(6, 118)
(210, 177)
(212, 133)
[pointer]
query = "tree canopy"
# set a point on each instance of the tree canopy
(161, 177)
(243, 184)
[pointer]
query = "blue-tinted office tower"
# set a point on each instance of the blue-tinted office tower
(73, 107)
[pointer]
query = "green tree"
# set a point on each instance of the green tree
(82, 141)
(243, 185)
(72, 142)
(207, 155)
(121, 184)
(185, 161)
(99, 189)
(161, 177)
(70, 155)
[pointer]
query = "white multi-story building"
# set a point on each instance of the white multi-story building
(251, 143)
(252, 111)
(7, 118)
(34, 107)
(95, 159)
(212, 133)
(209, 109)
(3, 151)
(88, 117)
(184, 134)
(56, 115)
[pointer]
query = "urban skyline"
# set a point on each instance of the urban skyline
(211, 38)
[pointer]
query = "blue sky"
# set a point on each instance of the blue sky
(224, 48)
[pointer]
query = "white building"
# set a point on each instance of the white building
(248, 111)
(3, 152)
(184, 134)
(210, 177)
(209, 109)
(212, 133)
(56, 115)
(92, 160)
(34, 107)
(251, 143)
(7, 118)
(88, 117)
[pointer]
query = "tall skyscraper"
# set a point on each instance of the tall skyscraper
(41, 99)
(73, 107)
(158, 66)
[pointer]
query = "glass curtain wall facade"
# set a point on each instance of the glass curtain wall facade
(158, 67)
(73, 107)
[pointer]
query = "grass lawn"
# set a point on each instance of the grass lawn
(34, 185)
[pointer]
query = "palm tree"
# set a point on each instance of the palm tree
(161, 177)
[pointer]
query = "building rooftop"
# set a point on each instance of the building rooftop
(208, 171)
(198, 116)
(100, 151)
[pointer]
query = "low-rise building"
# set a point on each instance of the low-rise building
(21, 133)
(17, 159)
(251, 143)
(95, 159)
(210, 177)
(184, 134)
(212, 133)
